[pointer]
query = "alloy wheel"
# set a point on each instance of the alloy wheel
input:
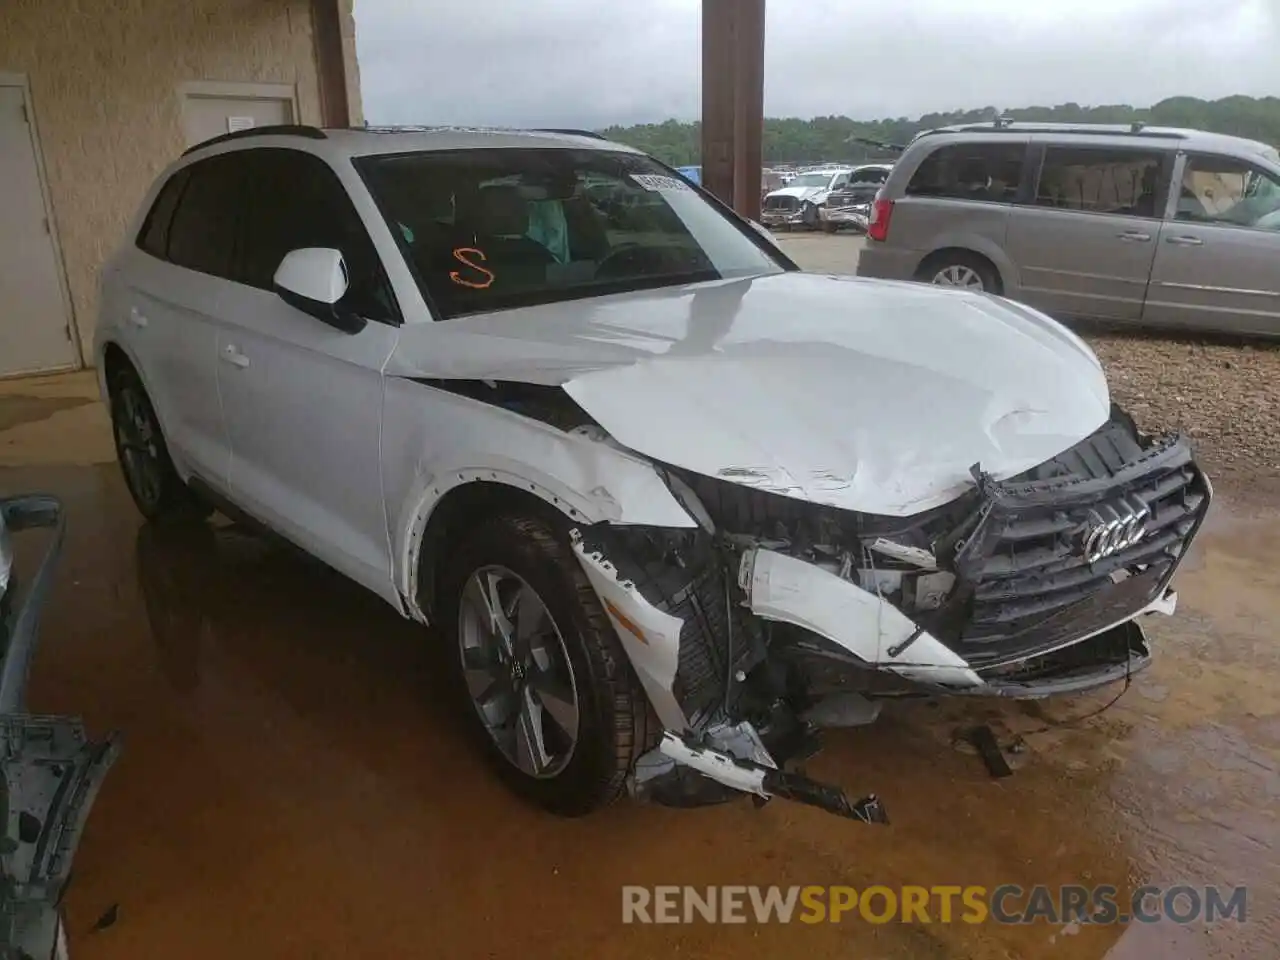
(137, 437)
(518, 671)
(958, 275)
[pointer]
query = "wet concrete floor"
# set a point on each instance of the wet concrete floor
(293, 784)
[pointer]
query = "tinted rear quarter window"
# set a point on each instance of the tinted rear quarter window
(154, 235)
(987, 172)
(1115, 180)
(203, 232)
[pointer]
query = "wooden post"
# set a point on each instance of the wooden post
(733, 101)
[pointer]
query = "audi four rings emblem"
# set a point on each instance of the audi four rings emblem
(1113, 528)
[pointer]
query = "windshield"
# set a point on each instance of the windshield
(811, 180)
(494, 229)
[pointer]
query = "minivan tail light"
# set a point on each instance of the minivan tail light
(881, 213)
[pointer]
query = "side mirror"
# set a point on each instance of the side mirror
(314, 280)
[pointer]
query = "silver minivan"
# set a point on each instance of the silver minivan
(1130, 224)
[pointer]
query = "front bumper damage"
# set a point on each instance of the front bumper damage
(776, 616)
(50, 771)
(856, 215)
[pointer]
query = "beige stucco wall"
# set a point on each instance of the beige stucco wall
(104, 78)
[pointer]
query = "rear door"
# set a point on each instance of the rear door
(303, 400)
(1085, 244)
(174, 285)
(1218, 260)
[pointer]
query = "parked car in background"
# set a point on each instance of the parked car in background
(1149, 225)
(637, 469)
(849, 205)
(798, 203)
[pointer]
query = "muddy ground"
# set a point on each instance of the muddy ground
(293, 784)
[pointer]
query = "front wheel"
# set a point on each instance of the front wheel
(544, 681)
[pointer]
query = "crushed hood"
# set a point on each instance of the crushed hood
(862, 394)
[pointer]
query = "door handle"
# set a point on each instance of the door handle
(231, 355)
(137, 317)
(1185, 241)
(1135, 235)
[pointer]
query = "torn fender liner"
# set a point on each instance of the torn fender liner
(650, 637)
(792, 591)
(750, 776)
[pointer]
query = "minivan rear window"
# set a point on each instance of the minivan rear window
(988, 172)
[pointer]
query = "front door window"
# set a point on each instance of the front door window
(1228, 191)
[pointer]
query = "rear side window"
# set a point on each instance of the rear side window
(1120, 181)
(154, 236)
(988, 172)
(297, 201)
(203, 232)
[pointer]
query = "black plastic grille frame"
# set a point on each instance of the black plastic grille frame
(1027, 582)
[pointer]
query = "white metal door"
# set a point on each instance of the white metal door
(35, 334)
(204, 117)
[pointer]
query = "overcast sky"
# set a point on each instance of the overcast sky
(590, 63)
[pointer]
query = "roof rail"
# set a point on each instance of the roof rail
(1133, 130)
(570, 132)
(276, 130)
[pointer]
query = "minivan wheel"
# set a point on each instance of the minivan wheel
(967, 271)
(544, 683)
(153, 482)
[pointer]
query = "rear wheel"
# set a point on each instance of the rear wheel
(545, 684)
(149, 473)
(959, 269)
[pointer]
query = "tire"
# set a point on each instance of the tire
(612, 725)
(969, 271)
(154, 484)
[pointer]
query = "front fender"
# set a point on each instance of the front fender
(435, 441)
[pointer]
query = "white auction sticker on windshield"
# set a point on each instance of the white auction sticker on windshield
(657, 181)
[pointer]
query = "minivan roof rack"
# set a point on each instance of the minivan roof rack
(272, 130)
(1137, 129)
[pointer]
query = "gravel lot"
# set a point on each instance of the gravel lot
(1225, 395)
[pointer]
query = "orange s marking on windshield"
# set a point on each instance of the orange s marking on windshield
(460, 254)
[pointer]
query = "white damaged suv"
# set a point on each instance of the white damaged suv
(671, 503)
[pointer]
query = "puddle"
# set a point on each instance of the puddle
(294, 782)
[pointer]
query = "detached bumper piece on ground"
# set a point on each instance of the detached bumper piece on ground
(49, 771)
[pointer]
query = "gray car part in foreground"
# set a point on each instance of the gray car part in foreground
(50, 771)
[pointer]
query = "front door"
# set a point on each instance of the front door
(1218, 261)
(35, 332)
(1085, 245)
(302, 399)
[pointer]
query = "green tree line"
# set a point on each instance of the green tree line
(792, 140)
